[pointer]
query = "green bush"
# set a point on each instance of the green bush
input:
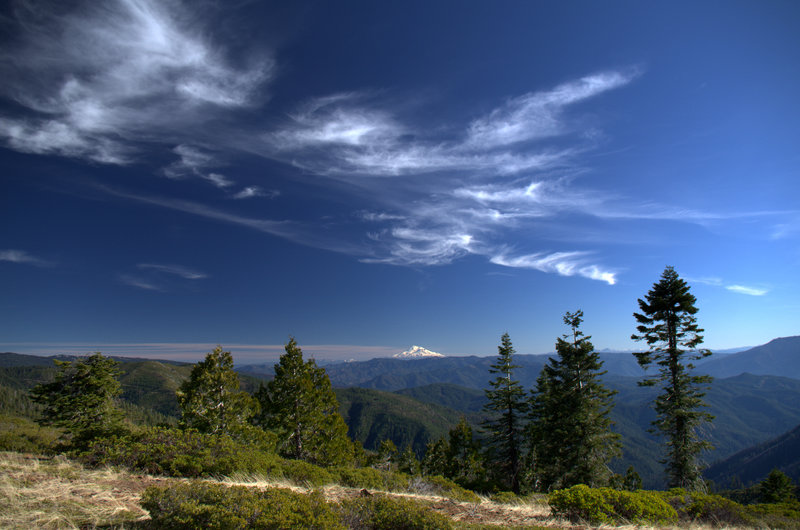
(205, 505)
(305, 474)
(783, 515)
(378, 512)
(180, 453)
(606, 505)
(505, 497)
(705, 508)
(361, 477)
(24, 436)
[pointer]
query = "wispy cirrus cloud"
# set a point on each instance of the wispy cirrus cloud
(357, 138)
(736, 288)
(562, 263)
(116, 82)
(159, 277)
(23, 257)
(175, 270)
(743, 289)
(101, 79)
(539, 115)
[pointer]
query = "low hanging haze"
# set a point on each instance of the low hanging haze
(365, 175)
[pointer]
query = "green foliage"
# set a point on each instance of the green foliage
(606, 505)
(300, 406)
(205, 505)
(210, 400)
(777, 488)
(361, 477)
(306, 474)
(570, 431)
(507, 407)
(631, 481)
(379, 512)
(668, 325)
(704, 508)
(784, 515)
(24, 436)
(505, 497)
(180, 453)
(81, 398)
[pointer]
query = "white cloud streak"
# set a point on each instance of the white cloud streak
(561, 263)
(107, 76)
(751, 291)
(176, 270)
(112, 82)
(23, 257)
(538, 115)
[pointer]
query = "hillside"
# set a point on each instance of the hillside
(779, 357)
(748, 410)
(752, 464)
(373, 416)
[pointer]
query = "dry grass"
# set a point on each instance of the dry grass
(38, 492)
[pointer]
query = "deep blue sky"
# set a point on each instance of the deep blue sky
(370, 175)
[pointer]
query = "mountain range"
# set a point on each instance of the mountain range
(414, 401)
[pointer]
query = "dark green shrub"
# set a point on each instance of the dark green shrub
(305, 474)
(379, 512)
(24, 436)
(783, 515)
(206, 505)
(180, 453)
(505, 497)
(606, 505)
(705, 508)
(361, 477)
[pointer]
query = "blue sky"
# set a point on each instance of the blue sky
(366, 176)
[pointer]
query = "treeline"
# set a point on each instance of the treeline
(553, 436)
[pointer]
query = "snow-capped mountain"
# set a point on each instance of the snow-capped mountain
(417, 352)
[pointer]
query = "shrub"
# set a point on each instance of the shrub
(378, 512)
(205, 505)
(305, 474)
(505, 497)
(23, 436)
(180, 453)
(783, 515)
(361, 477)
(702, 507)
(606, 505)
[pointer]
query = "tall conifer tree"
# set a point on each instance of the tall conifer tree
(570, 431)
(211, 401)
(299, 405)
(668, 325)
(82, 398)
(507, 408)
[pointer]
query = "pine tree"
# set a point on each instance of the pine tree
(465, 464)
(211, 401)
(668, 325)
(81, 398)
(299, 405)
(776, 488)
(570, 431)
(507, 407)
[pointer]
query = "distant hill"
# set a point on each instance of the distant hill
(779, 357)
(751, 465)
(373, 416)
(749, 409)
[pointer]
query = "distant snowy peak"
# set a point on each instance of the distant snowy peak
(417, 352)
